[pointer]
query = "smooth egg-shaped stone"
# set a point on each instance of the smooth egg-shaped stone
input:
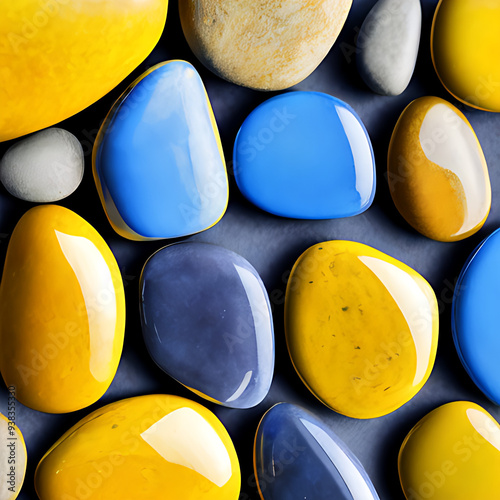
(60, 56)
(361, 328)
(268, 45)
(147, 447)
(45, 167)
(62, 312)
(476, 316)
(158, 161)
(452, 453)
(207, 322)
(388, 45)
(305, 155)
(13, 456)
(437, 173)
(465, 47)
(298, 456)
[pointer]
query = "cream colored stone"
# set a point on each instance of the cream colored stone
(262, 44)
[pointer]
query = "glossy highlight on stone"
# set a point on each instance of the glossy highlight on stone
(60, 56)
(476, 316)
(207, 322)
(452, 453)
(305, 155)
(62, 311)
(269, 45)
(158, 161)
(13, 458)
(147, 447)
(297, 456)
(437, 173)
(465, 47)
(361, 328)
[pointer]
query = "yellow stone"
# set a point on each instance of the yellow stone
(62, 312)
(465, 46)
(265, 45)
(147, 447)
(59, 56)
(437, 173)
(361, 328)
(13, 456)
(452, 453)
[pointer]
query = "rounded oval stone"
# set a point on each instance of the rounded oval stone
(268, 45)
(476, 316)
(296, 455)
(438, 176)
(453, 452)
(361, 328)
(305, 155)
(59, 56)
(62, 311)
(158, 161)
(464, 39)
(13, 458)
(207, 322)
(154, 446)
(45, 167)
(388, 45)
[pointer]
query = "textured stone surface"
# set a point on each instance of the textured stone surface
(145, 447)
(59, 56)
(361, 328)
(207, 322)
(269, 45)
(476, 316)
(388, 45)
(305, 155)
(46, 167)
(297, 456)
(62, 311)
(437, 171)
(453, 452)
(158, 161)
(13, 457)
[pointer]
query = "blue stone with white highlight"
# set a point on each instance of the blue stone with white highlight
(476, 316)
(206, 321)
(158, 161)
(305, 155)
(298, 456)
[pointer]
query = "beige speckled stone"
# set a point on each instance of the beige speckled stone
(262, 44)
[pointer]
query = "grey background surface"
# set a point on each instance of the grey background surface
(272, 245)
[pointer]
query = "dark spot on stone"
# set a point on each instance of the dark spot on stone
(357, 347)
(345, 308)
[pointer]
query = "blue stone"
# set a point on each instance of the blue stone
(305, 155)
(298, 457)
(476, 316)
(207, 322)
(158, 161)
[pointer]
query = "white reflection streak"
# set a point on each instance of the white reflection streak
(242, 387)
(485, 426)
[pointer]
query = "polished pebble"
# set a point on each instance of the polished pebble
(465, 47)
(297, 456)
(13, 458)
(437, 172)
(147, 447)
(158, 161)
(452, 453)
(305, 155)
(47, 166)
(58, 56)
(361, 328)
(269, 45)
(388, 45)
(62, 311)
(476, 316)
(206, 320)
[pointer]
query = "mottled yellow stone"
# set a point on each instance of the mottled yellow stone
(361, 328)
(262, 44)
